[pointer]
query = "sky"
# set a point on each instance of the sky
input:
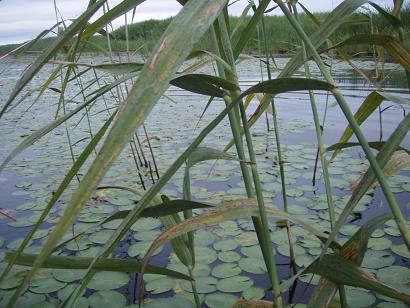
(22, 20)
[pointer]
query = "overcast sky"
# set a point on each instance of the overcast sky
(21, 20)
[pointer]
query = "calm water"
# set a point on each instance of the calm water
(28, 181)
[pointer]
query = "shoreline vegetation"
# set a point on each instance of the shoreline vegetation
(281, 37)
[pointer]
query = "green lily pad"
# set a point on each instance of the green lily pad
(140, 248)
(160, 285)
(253, 293)
(179, 302)
(46, 285)
(101, 209)
(359, 298)
(226, 270)
(219, 300)
(146, 235)
(64, 293)
(205, 255)
(394, 274)
(71, 275)
(101, 237)
(377, 259)
(203, 285)
(107, 298)
(401, 250)
(226, 245)
(381, 243)
(252, 265)
(234, 284)
(77, 245)
(204, 238)
(146, 224)
(229, 256)
(247, 239)
(252, 252)
(108, 280)
(13, 281)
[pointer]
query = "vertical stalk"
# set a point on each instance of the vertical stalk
(321, 152)
(398, 215)
(279, 152)
(261, 223)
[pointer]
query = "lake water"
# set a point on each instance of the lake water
(229, 263)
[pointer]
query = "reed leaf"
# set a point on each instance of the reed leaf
(112, 68)
(373, 144)
(118, 10)
(345, 272)
(393, 46)
(369, 105)
(112, 264)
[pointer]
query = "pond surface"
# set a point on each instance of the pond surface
(229, 261)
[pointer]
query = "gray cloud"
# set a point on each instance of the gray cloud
(21, 20)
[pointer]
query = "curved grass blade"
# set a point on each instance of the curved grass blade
(109, 16)
(226, 211)
(345, 272)
(112, 68)
(393, 20)
(67, 35)
(373, 144)
(369, 105)
(111, 264)
(392, 45)
(203, 84)
(396, 162)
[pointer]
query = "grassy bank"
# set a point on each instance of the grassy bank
(281, 38)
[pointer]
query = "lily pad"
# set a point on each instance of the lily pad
(203, 285)
(219, 300)
(46, 285)
(394, 274)
(145, 224)
(179, 302)
(108, 280)
(234, 284)
(229, 256)
(377, 259)
(71, 275)
(226, 245)
(253, 293)
(140, 248)
(381, 243)
(226, 270)
(107, 298)
(252, 265)
(359, 298)
(160, 285)
(401, 250)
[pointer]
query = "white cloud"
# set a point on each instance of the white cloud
(21, 20)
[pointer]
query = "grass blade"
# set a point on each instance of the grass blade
(113, 265)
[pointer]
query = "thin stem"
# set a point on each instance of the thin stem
(264, 237)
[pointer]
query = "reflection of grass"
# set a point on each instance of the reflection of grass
(280, 35)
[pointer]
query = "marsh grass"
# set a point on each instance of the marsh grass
(137, 87)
